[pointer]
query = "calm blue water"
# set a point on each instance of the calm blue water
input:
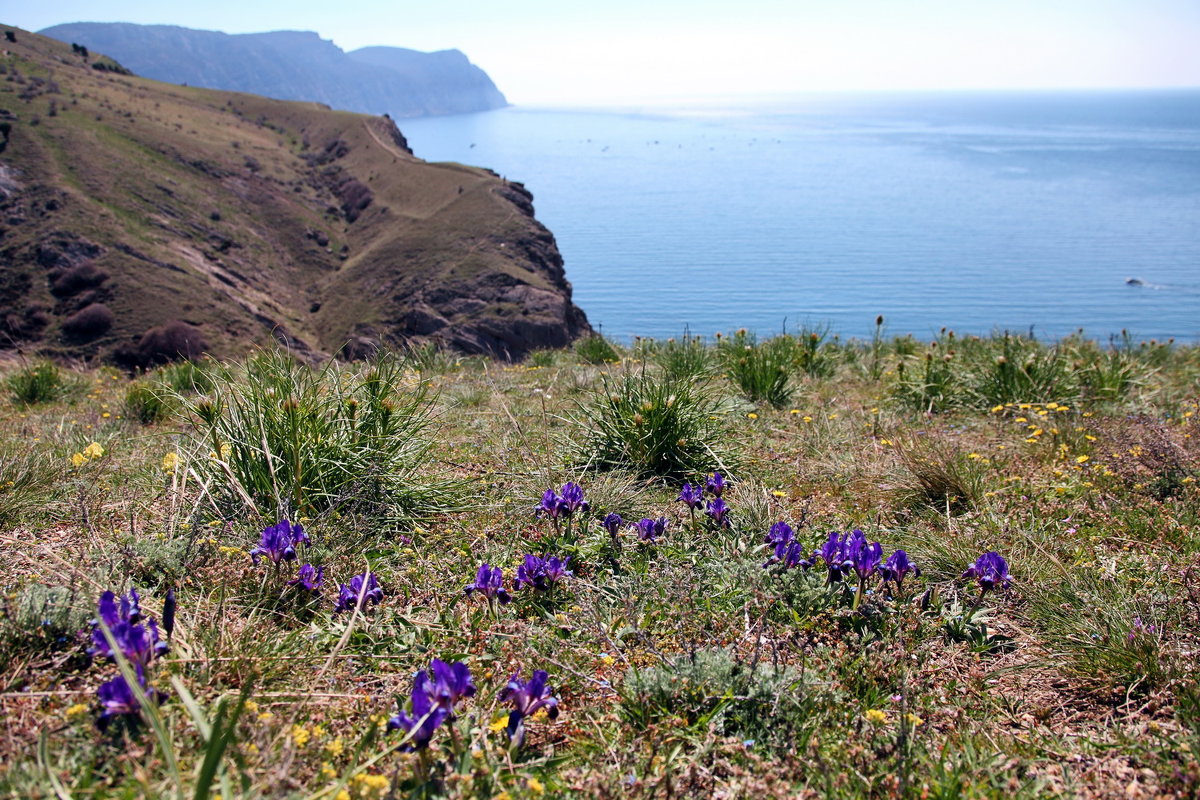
(972, 211)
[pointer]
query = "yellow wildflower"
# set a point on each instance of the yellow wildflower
(974, 456)
(169, 462)
(78, 460)
(876, 716)
(335, 747)
(1081, 460)
(808, 419)
(327, 771)
(93, 450)
(886, 442)
(266, 715)
(752, 415)
(794, 411)
(76, 710)
(371, 785)
(997, 409)
(535, 787)
(777, 493)
(499, 723)
(342, 795)
(914, 720)
(301, 735)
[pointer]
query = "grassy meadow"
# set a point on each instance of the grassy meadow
(690, 649)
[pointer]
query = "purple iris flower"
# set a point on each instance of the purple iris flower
(309, 577)
(137, 642)
(612, 523)
(554, 506)
(897, 567)
(715, 485)
(780, 537)
(572, 499)
(780, 533)
(450, 683)
(279, 542)
(691, 496)
(527, 699)
(863, 557)
(541, 573)
(169, 612)
(117, 698)
(364, 584)
(990, 570)
(650, 529)
(427, 715)
(489, 582)
(718, 512)
(549, 507)
(793, 556)
(833, 553)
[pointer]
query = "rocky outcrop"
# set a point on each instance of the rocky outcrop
(294, 65)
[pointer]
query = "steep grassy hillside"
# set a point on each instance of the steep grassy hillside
(139, 219)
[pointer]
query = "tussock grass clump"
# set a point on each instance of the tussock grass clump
(762, 370)
(186, 377)
(289, 439)
(932, 385)
(596, 350)
(1020, 370)
(653, 425)
(686, 357)
(147, 403)
(38, 383)
(27, 481)
(429, 359)
(940, 476)
(542, 358)
(814, 355)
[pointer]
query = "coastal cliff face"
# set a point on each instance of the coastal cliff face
(294, 65)
(140, 221)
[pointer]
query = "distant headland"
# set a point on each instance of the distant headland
(295, 65)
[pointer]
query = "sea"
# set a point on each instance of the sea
(1043, 212)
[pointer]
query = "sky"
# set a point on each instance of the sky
(570, 53)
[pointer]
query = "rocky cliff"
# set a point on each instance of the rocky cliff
(140, 220)
(294, 65)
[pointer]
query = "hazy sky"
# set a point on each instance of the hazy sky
(555, 52)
